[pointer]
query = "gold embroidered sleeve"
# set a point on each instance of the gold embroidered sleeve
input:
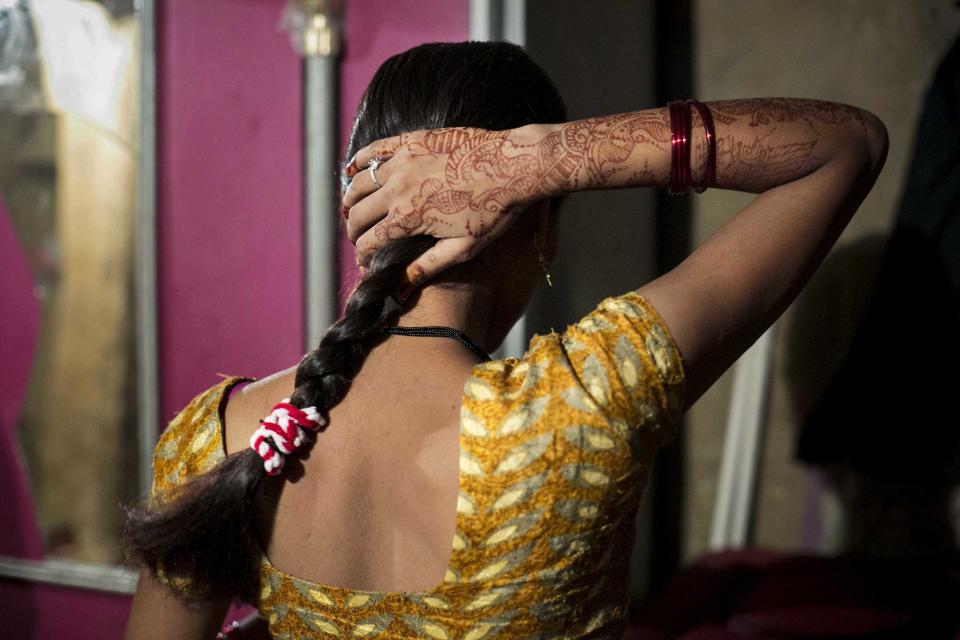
(190, 445)
(624, 357)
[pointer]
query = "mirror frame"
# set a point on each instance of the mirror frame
(98, 576)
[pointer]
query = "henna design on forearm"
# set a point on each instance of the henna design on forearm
(777, 152)
(598, 148)
(757, 163)
(488, 174)
(582, 154)
(762, 110)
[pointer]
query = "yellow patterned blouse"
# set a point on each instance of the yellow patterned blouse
(555, 450)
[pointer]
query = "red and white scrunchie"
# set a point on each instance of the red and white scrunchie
(283, 432)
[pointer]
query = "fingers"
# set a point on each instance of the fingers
(446, 253)
(384, 148)
(363, 185)
(365, 214)
(371, 240)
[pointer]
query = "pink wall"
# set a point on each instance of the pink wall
(230, 176)
(229, 195)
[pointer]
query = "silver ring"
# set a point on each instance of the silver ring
(374, 165)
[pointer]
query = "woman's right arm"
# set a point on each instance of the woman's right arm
(762, 143)
(812, 163)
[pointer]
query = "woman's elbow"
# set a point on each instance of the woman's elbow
(878, 141)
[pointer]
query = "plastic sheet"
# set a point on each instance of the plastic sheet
(19, 88)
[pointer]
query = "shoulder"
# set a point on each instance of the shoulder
(630, 327)
(192, 441)
(619, 360)
(250, 403)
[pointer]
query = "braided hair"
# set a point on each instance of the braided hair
(205, 532)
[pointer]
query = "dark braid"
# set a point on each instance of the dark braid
(206, 531)
(324, 374)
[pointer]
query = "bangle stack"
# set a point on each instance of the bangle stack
(680, 125)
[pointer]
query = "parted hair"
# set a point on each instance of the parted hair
(205, 531)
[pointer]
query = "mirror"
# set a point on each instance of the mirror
(70, 119)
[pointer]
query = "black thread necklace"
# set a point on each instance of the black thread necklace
(441, 332)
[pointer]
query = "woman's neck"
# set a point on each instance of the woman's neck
(466, 308)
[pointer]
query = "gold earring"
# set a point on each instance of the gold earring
(543, 262)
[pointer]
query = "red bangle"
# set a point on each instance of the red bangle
(711, 170)
(680, 147)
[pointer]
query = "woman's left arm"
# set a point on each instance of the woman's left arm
(158, 614)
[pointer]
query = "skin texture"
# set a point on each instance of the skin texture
(157, 615)
(466, 185)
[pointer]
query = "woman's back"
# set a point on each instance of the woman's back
(380, 494)
(512, 512)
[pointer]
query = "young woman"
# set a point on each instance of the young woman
(447, 495)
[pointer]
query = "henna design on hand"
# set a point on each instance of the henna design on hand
(487, 174)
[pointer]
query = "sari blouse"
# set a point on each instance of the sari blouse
(555, 450)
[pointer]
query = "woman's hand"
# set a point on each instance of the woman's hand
(462, 185)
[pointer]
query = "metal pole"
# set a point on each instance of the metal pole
(315, 32)
(320, 230)
(145, 261)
